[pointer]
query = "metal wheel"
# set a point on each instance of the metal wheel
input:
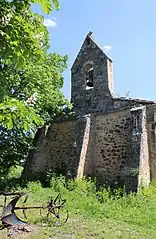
(55, 213)
(58, 215)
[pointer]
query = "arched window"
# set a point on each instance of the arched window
(89, 76)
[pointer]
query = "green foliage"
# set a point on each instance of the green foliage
(15, 172)
(14, 113)
(82, 199)
(30, 99)
(22, 34)
(47, 5)
(30, 79)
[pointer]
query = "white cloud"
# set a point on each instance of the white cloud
(54, 18)
(107, 47)
(49, 23)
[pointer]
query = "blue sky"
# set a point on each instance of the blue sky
(126, 27)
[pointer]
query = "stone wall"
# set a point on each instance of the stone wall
(112, 143)
(113, 147)
(151, 129)
(86, 151)
(65, 148)
(121, 148)
(86, 100)
(144, 164)
(110, 76)
(37, 158)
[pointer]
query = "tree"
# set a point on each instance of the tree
(47, 5)
(34, 98)
(22, 34)
(30, 79)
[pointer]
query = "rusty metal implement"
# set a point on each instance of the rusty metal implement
(55, 209)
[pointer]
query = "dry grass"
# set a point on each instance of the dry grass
(81, 228)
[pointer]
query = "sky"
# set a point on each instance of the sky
(125, 29)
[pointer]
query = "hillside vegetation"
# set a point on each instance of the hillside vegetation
(92, 213)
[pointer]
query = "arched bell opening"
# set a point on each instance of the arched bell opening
(89, 74)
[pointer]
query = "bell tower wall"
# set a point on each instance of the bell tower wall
(91, 79)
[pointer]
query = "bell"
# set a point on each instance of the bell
(89, 78)
(89, 83)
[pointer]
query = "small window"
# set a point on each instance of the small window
(136, 123)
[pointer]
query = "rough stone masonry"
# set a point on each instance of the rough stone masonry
(110, 138)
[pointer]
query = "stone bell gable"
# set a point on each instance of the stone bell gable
(91, 78)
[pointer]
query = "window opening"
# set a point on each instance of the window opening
(89, 76)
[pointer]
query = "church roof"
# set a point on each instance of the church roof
(135, 100)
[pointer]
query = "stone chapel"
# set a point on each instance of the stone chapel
(110, 138)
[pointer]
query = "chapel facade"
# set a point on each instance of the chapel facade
(110, 138)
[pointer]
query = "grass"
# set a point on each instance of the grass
(94, 214)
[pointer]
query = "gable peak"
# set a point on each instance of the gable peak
(89, 41)
(89, 33)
